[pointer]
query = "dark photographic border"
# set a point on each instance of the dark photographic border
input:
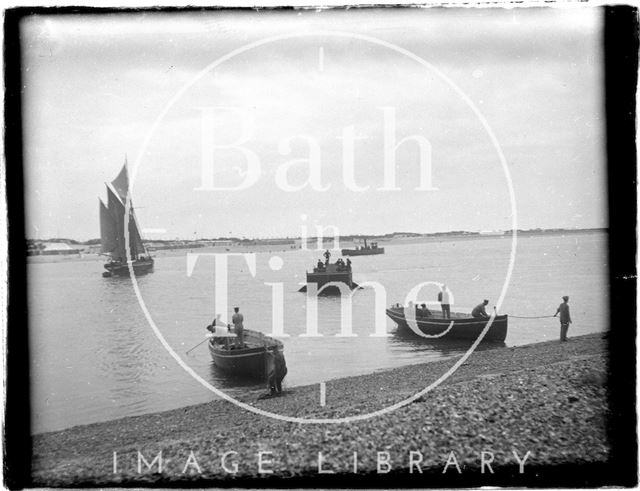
(620, 77)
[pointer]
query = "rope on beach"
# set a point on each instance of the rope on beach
(532, 317)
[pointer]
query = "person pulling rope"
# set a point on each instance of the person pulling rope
(565, 317)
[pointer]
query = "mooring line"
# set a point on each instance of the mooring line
(531, 317)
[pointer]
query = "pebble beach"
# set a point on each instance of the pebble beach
(507, 416)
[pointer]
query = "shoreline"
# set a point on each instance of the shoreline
(272, 248)
(546, 398)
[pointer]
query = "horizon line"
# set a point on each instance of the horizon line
(355, 235)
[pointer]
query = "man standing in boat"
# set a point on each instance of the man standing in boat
(443, 296)
(238, 327)
(565, 318)
(479, 311)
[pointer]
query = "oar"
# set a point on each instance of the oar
(207, 337)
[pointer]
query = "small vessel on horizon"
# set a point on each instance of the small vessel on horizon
(324, 273)
(112, 231)
(365, 250)
(459, 326)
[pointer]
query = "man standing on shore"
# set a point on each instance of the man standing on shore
(278, 372)
(443, 296)
(238, 327)
(565, 318)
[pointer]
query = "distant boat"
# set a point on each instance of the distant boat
(365, 250)
(253, 360)
(112, 239)
(323, 273)
(464, 326)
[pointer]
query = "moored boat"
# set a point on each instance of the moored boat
(365, 250)
(252, 360)
(112, 232)
(142, 265)
(459, 326)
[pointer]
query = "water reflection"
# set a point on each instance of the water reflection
(442, 345)
(221, 379)
(402, 340)
(125, 350)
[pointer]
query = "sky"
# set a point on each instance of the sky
(142, 86)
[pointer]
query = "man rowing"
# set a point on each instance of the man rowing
(217, 323)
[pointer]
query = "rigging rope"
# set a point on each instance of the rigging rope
(532, 317)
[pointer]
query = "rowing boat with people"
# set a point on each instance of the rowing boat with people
(327, 277)
(252, 359)
(459, 326)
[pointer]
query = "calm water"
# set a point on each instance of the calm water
(95, 358)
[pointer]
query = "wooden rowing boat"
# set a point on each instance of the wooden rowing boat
(464, 326)
(330, 273)
(252, 360)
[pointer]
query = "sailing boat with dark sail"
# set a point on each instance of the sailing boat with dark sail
(112, 231)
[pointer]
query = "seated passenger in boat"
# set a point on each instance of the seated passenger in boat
(479, 310)
(423, 311)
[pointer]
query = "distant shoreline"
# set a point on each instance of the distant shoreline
(499, 400)
(258, 248)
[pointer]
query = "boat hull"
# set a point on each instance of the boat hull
(323, 278)
(464, 326)
(362, 252)
(140, 267)
(251, 361)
